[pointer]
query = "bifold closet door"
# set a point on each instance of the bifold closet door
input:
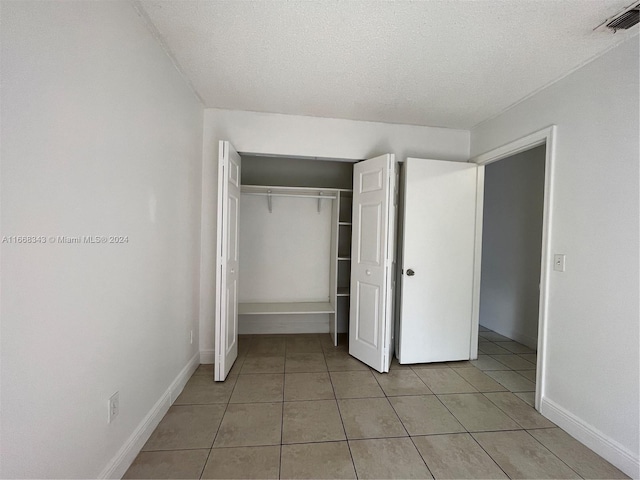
(226, 314)
(372, 253)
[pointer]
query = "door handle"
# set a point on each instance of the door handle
(410, 273)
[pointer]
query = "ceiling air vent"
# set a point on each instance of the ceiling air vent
(623, 20)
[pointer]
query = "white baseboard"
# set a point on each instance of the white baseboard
(260, 324)
(119, 464)
(606, 447)
(208, 357)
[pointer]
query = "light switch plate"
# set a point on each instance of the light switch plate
(559, 261)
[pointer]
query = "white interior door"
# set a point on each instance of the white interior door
(438, 246)
(226, 321)
(372, 253)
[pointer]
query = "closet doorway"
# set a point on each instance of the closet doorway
(295, 243)
(292, 223)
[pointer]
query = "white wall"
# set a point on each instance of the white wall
(276, 134)
(592, 371)
(511, 245)
(100, 136)
(285, 253)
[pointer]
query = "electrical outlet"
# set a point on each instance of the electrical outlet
(114, 406)
(191, 338)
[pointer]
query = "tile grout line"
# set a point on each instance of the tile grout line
(391, 405)
(404, 426)
(284, 380)
(556, 456)
(344, 429)
(508, 391)
(502, 410)
(511, 417)
(207, 460)
(453, 414)
(223, 414)
(402, 423)
(363, 438)
(220, 424)
(420, 454)
(175, 450)
(483, 449)
(467, 382)
(488, 454)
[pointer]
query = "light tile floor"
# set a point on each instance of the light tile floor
(295, 406)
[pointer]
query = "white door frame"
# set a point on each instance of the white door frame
(546, 136)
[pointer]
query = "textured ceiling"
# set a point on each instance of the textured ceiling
(448, 63)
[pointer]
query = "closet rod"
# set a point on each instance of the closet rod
(321, 196)
(324, 197)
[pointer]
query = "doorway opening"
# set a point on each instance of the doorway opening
(509, 287)
(512, 286)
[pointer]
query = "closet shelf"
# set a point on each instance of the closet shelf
(344, 258)
(283, 308)
(279, 191)
(343, 291)
(344, 223)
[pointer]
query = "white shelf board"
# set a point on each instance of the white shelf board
(344, 258)
(343, 291)
(279, 190)
(344, 223)
(284, 308)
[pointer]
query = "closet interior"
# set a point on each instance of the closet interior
(294, 245)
